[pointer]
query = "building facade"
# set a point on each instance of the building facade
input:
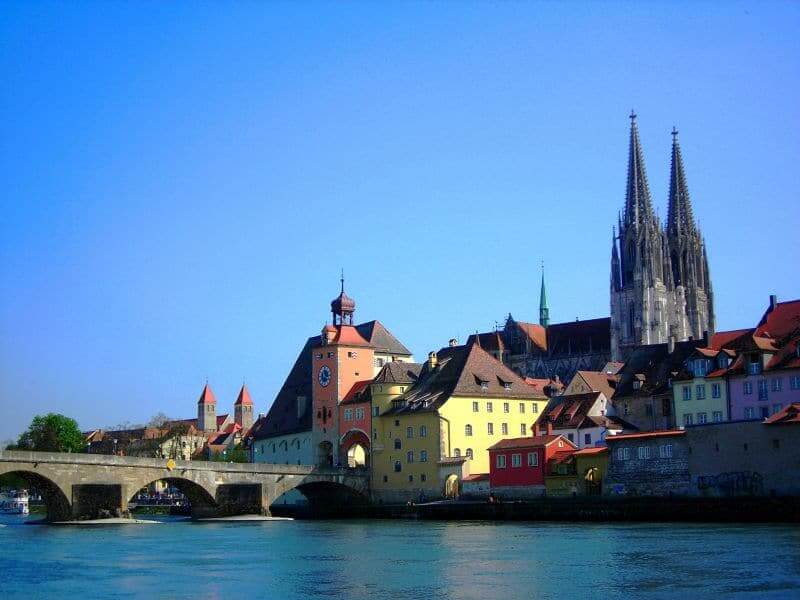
(517, 466)
(648, 464)
(700, 390)
(660, 280)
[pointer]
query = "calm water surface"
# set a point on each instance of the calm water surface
(399, 559)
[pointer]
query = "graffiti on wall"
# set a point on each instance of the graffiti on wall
(736, 483)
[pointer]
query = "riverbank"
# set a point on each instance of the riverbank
(636, 510)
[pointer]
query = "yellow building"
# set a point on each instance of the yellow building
(699, 391)
(433, 423)
(591, 465)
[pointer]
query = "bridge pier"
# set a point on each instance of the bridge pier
(98, 501)
(240, 499)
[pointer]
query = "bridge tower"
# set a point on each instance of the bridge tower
(340, 359)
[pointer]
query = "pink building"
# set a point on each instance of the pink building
(765, 377)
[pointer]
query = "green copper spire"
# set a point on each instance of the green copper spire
(544, 312)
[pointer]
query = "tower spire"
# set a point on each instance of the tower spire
(680, 219)
(544, 311)
(638, 207)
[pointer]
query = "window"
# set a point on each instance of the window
(423, 477)
(490, 428)
(587, 439)
(777, 384)
(776, 408)
(397, 422)
(755, 365)
(484, 385)
(523, 429)
(410, 479)
(747, 387)
(687, 392)
(506, 385)
(423, 431)
(701, 392)
(488, 407)
(352, 354)
(644, 452)
(749, 412)
(687, 419)
(423, 456)
(504, 429)
(374, 434)
(348, 414)
(379, 362)
(533, 459)
(717, 416)
(623, 453)
(522, 408)
(475, 407)
(762, 389)
(715, 390)
(506, 407)
(468, 430)
(376, 411)
(359, 413)
(457, 452)
(570, 437)
(534, 408)
(397, 444)
(764, 412)
(516, 460)
(410, 456)
(665, 451)
(409, 432)
(385, 479)
(469, 453)
(330, 354)
(701, 418)
(398, 466)
(501, 461)
(794, 382)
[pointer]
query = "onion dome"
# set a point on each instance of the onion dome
(343, 307)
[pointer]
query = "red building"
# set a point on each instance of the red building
(355, 423)
(517, 466)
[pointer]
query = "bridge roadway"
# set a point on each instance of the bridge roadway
(81, 486)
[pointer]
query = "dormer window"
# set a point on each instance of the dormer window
(484, 385)
(723, 361)
(755, 365)
(506, 386)
(637, 385)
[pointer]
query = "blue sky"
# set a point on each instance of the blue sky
(181, 182)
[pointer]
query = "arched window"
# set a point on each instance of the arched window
(423, 431)
(469, 453)
(457, 452)
(468, 430)
(397, 444)
(410, 456)
(398, 466)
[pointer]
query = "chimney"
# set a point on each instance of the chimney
(453, 342)
(549, 427)
(773, 302)
(671, 344)
(432, 360)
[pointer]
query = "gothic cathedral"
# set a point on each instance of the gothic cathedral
(660, 283)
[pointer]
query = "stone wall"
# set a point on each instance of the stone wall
(653, 476)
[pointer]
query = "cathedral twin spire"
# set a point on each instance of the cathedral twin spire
(660, 283)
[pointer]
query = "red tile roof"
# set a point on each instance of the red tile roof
(349, 336)
(644, 435)
(600, 382)
(355, 396)
(536, 441)
(780, 321)
(592, 451)
(723, 339)
(207, 396)
(221, 420)
(244, 396)
(790, 414)
(536, 334)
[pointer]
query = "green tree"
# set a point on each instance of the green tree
(237, 454)
(52, 433)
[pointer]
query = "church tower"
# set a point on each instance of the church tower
(544, 311)
(243, 409)
(207, 410)
(694, 309)
(660, 282)
(640, 294)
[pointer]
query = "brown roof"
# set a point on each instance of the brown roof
(348, 335)
(780, 321)
(491, 341)
(463, 371)
(536, 334)
(600, 382)
(591, 451)
(382, 339)
(398, 373)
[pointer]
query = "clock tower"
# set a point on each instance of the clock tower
(340, 359)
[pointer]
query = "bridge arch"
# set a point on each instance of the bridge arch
(354, 449)
(56, 498)
(201, 500)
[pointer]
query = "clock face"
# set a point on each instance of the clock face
(324, 376)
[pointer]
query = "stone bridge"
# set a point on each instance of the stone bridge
(80, 486)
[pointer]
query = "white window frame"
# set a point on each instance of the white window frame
(533, 459)
(500, 462)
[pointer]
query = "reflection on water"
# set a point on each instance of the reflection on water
(399, 559)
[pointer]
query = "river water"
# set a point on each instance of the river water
(399, 559)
